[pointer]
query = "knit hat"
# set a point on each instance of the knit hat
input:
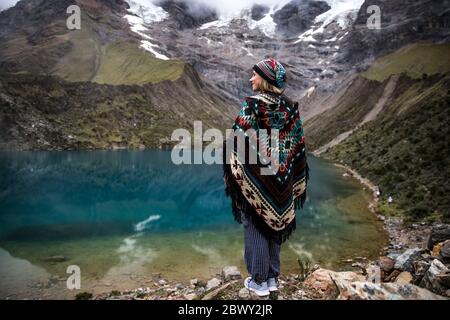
(272, 71)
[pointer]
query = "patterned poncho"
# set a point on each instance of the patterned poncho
(271, 199)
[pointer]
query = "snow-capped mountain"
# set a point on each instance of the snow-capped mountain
(304, 34)
(204, 51)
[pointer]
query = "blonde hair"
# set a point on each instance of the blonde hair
(266, 86)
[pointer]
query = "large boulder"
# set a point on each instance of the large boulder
(327, 282)
(385, 291)
(259, 11)
(445, 251)
(298, 15)
(405, 261)
(438, 234)
(434, 278)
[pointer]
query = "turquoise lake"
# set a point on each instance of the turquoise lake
(125, 216)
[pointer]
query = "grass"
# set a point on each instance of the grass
(414, 60)
(124, 63)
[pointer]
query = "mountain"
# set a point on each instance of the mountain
(390, 119)
(97, 87)
(405, 149)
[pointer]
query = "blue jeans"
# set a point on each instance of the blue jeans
(262, 255)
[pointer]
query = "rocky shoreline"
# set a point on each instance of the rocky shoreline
(415, 265)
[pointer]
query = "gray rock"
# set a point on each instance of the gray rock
(421, 267)
(190, 296)
(445, 251)
(259, 11)
(393, 256)
(438, 234)
(213, 283)
(405, 261)
(444, 278)
(162, 282)
(194, 282)
(385, 291)
(244, 293)
(231, 273)
(431, 279)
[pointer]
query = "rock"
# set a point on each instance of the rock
(56, 259)
(404, 278)
(179, 286)
(359, 265)
(201, 283)
(213, 283)
(444, 278)
(386, 264)
(244, 293)
(231, 273)
(162, 282)
(445, 251)
(325, 281)
(421, 267)
(194, 282)
(431, 278)
(385, 291)
(394, 274)
(259, 11)
(190, 296)
(393, 256)
(436, 250)
(405, 261)
(438, 234)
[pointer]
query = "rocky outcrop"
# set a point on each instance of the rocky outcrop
(402, 22)
(258, 11)
(188, 15)
(298, 16)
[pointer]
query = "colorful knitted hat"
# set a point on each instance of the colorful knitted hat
(272, 71)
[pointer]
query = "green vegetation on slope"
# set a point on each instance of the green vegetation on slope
(405, 150)
(124, 63)
(48, 113)
(414, 60)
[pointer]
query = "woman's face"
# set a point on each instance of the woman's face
(256, 81)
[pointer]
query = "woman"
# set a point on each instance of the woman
(265, 203)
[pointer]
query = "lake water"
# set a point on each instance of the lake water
(125, 216)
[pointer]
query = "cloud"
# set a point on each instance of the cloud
(223, 8)
(5, 4)
(232, 6)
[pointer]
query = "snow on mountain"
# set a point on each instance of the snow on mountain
(147, 11)
(266, 24)
(343, 12)
(144, 12)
